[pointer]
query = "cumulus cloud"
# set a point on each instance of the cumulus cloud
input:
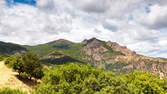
(29, 25)
(155, 18)
(137, 24)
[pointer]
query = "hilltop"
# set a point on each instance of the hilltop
(106, 55)
(10, 48)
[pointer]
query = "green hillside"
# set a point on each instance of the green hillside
(74, 51)
(109, 56)
(10, 48)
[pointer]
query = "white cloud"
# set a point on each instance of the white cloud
(29, 25)
(156, 18)
(124, 21)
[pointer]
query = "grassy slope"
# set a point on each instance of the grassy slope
(41, 50)
(73, 52)
(45, 49)
(9, 48)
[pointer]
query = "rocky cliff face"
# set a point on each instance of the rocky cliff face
(106, 55)
(120, 59)
(115, 46)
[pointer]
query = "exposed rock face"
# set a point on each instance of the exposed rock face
(107, 55)
(115, 46)
(120, 59)
(95, 49)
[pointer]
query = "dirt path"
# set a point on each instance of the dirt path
(8, 79)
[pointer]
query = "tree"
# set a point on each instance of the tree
(144, 83)
(75, 79)
(26, 63)
(82, 79)
(32, 65)
(18, 65)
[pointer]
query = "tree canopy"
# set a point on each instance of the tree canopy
(26, 63)
(82, 79)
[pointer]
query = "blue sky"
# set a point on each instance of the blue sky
(138, 24)
(28, 2)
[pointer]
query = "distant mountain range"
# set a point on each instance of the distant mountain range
(109, 56)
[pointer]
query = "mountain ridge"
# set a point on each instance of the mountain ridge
(8, 48)
(107, 55)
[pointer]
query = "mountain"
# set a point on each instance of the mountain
(10, 48)
(44, 49)
(109, 56)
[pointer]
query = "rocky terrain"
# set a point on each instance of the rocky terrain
(109, 56)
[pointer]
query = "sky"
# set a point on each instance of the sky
(138, 24)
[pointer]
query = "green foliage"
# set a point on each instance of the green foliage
(82, 79)
(9, 48)
(118, 68)
(9, 61)
(31, 65)
(69, 49)
(57, 58)
(11, 91)
(144, 83)
(2, 57)
(40, 49)
(18, 65)
(27, 64)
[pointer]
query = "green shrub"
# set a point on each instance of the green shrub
(9, 61)
(144, 83)
(1, 57)
(27, 64)
(76, 79)
(11, 91)
(82, 79)
(31, 65)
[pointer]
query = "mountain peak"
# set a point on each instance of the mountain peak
(122, 49)
(90, 40)
(61, 41)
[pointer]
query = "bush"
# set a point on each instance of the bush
(82, 79)
(11, 91)
(144, 83)
(9, 61)
(27, 63)
(32, 65)
(1, 57)
(76, 79)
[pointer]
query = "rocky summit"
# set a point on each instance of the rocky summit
(106, 55)
(109, 56)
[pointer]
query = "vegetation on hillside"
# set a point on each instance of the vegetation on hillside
(71, 51)
(9, 48)
(79, 78)
(26, 64)
(82, 79)
(107, 55)
(11, 91)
